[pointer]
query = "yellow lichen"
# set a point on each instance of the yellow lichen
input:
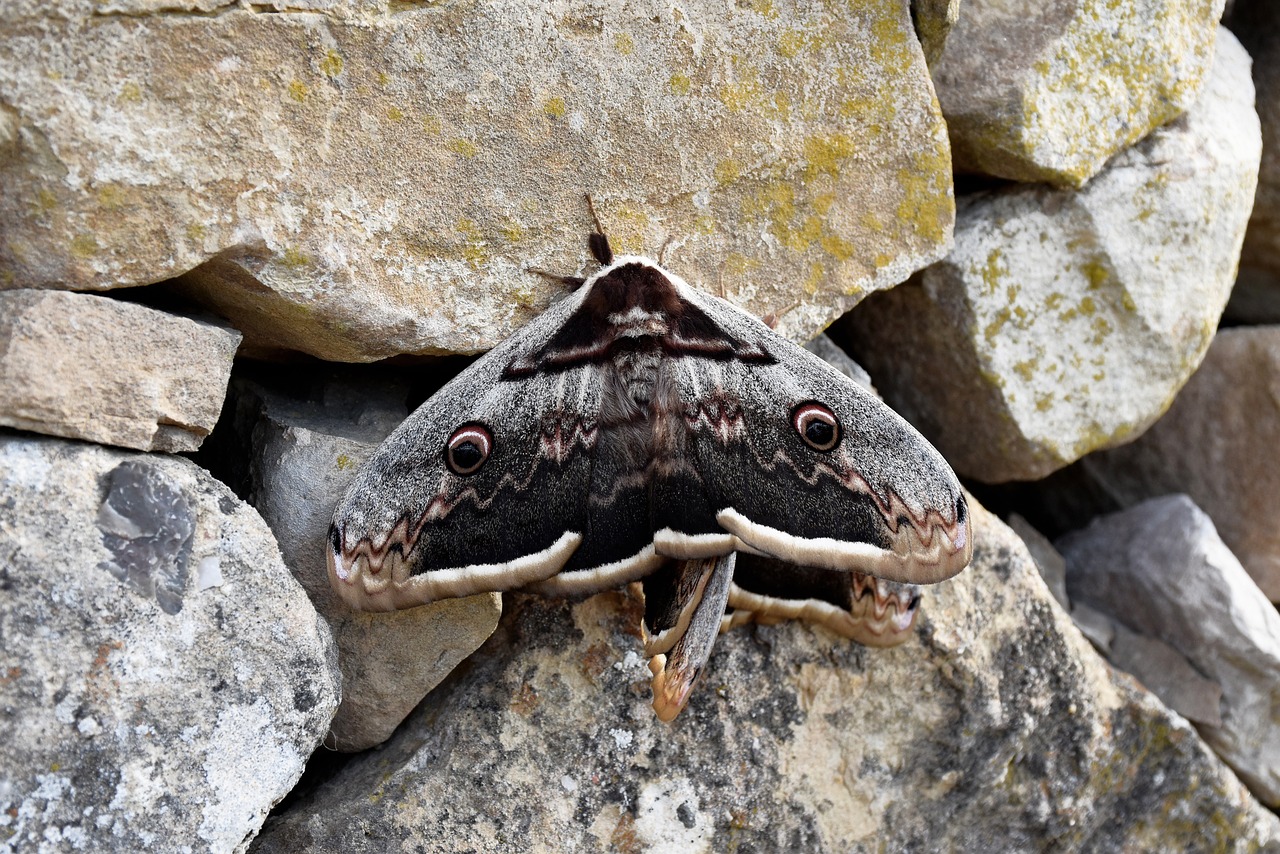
(298, 90)
(624, 44)
(84, 246)
(727, 171)
(464, 147)
(331, 64)
(555, 107)
(431, 125)
(680, 84)
(110, 196)
(395, 114)
(196, 232)
(294, 258)
(130, 93)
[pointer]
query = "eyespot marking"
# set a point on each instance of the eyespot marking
(817, 425)
(468, 448)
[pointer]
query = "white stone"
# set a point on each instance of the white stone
(171, 715)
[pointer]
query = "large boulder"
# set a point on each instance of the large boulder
(996, 728)
(364, 178)
(163, 679)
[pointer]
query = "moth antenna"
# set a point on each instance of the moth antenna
(662, 253)
(598, 241)
(772, 318)
(573, 282)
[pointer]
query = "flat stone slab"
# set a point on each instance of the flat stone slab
(89, 367)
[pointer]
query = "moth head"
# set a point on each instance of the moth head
(467, 448)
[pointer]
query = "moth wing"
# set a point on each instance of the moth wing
(410, 529)
(881, 500)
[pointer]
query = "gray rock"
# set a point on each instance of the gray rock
(1168, 674)
(163, 678)
(88, 367)
(996, 728)
(303, 456)
(1161, 570)
(1217, 443)
(1257, 295)
(365, 178)
(833, 354)
(1053, 569)
(1050, 91)
(1066, 321)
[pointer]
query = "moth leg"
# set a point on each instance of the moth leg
(571, 282)
(684, 604)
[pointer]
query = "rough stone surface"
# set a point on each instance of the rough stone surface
(303, 456)
(89, 367)
(934, 19)
(162, 678)
(1161, 569)
(1050, 91)
(1217, 444)
(996, 728)
(1052, 566)
(1066, 321)
(362, 179)
(1257, 295)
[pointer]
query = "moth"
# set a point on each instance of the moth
(642, 430)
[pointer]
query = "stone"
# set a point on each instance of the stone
(995, 728)
(1066, 321)
(163, 679)
(1168, 674)
(934, 20)
(835, 356)
(303, 455)
(367, 178)
(1160, 568)
(1052, 566)
(88, 367)
(1257, 296)
(1216, 444)
(1051, 91)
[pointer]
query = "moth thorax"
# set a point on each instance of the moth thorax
(636, 368)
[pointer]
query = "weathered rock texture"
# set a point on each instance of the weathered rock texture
(1257, 295)
(797, 156)
(1066, 321)
(303, 456)
(1050, 91)
(89, 367)
(998, 729)
(1161, 569)
(1217, 444)
(163, 678)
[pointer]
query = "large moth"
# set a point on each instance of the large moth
(641, 430)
